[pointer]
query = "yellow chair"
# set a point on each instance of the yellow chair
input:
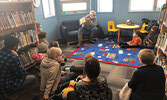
(111, 28)
(142, 30)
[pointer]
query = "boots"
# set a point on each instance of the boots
(79, 40)
(91, 38)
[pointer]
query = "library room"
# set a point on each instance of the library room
(83, 49)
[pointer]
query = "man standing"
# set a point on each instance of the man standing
(88, 26)
(12, 76)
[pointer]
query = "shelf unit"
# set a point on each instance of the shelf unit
(161, 45)
(17, 19)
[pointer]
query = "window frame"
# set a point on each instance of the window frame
(51, 7)
(153, 10)
(75, 1)
(98, 7)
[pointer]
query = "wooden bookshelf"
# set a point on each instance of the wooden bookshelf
(161, 45)
(16, 29)
(17, 19)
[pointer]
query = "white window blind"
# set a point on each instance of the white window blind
(105, 5)
(48, 8)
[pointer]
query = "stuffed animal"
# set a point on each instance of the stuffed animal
(68, 89)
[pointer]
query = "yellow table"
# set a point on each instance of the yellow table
(124, 26)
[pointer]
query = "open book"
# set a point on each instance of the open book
(82, 20)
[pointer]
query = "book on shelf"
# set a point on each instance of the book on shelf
(162, 14)
(164, 48)
(1, 44)
(26, 56)
(26, 37)
(163, 40)
(11, 19)
(159, 40)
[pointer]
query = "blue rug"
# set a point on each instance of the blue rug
(109, 52)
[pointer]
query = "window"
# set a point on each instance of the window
(74, 6)
(146, 5)
(48, 8)
(105, 5)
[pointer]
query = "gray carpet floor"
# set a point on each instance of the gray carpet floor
(116, 75)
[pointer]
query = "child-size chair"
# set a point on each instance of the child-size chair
(142, 30)
(111, 29)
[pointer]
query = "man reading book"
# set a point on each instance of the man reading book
(89, 24)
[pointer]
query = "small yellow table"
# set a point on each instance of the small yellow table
(124, 26)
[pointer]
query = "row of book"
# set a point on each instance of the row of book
(1, 44)
(12, 19)
(162, 42)
(162, 14)
(26, 37)
(26, 57)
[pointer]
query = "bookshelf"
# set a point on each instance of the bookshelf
(17, 19)
(161, 44)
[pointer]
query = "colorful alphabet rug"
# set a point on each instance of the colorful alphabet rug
(108, 51)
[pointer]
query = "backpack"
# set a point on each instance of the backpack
(145, 20)
(152, 23)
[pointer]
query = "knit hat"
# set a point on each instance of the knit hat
(42, 47)
(10, 41)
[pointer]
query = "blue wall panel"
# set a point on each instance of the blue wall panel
(49, 25)
(120, 14)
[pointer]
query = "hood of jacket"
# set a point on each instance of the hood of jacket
(47, 62)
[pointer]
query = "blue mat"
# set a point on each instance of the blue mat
(109, 52)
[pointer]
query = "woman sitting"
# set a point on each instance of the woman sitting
(151, 38)
(92, 87)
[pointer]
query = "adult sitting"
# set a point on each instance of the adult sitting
(88, 26)
(151, 38)
(12, 76)
(91, 87)
(148, 82)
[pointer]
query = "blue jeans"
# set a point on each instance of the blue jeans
(83, 30)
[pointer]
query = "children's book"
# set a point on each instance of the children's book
(82, 20)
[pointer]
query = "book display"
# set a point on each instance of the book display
(17, 19)
(161, 44)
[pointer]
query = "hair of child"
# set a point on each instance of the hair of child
(54, 52)
(146, 56)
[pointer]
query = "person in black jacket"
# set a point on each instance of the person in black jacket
(148, 82)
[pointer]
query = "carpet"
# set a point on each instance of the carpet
(108, 51)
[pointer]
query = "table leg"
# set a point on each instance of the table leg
(118, 34)
(134, 31)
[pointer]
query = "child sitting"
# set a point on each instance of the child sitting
(42, 38)
(42, 49)
(135, 42)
